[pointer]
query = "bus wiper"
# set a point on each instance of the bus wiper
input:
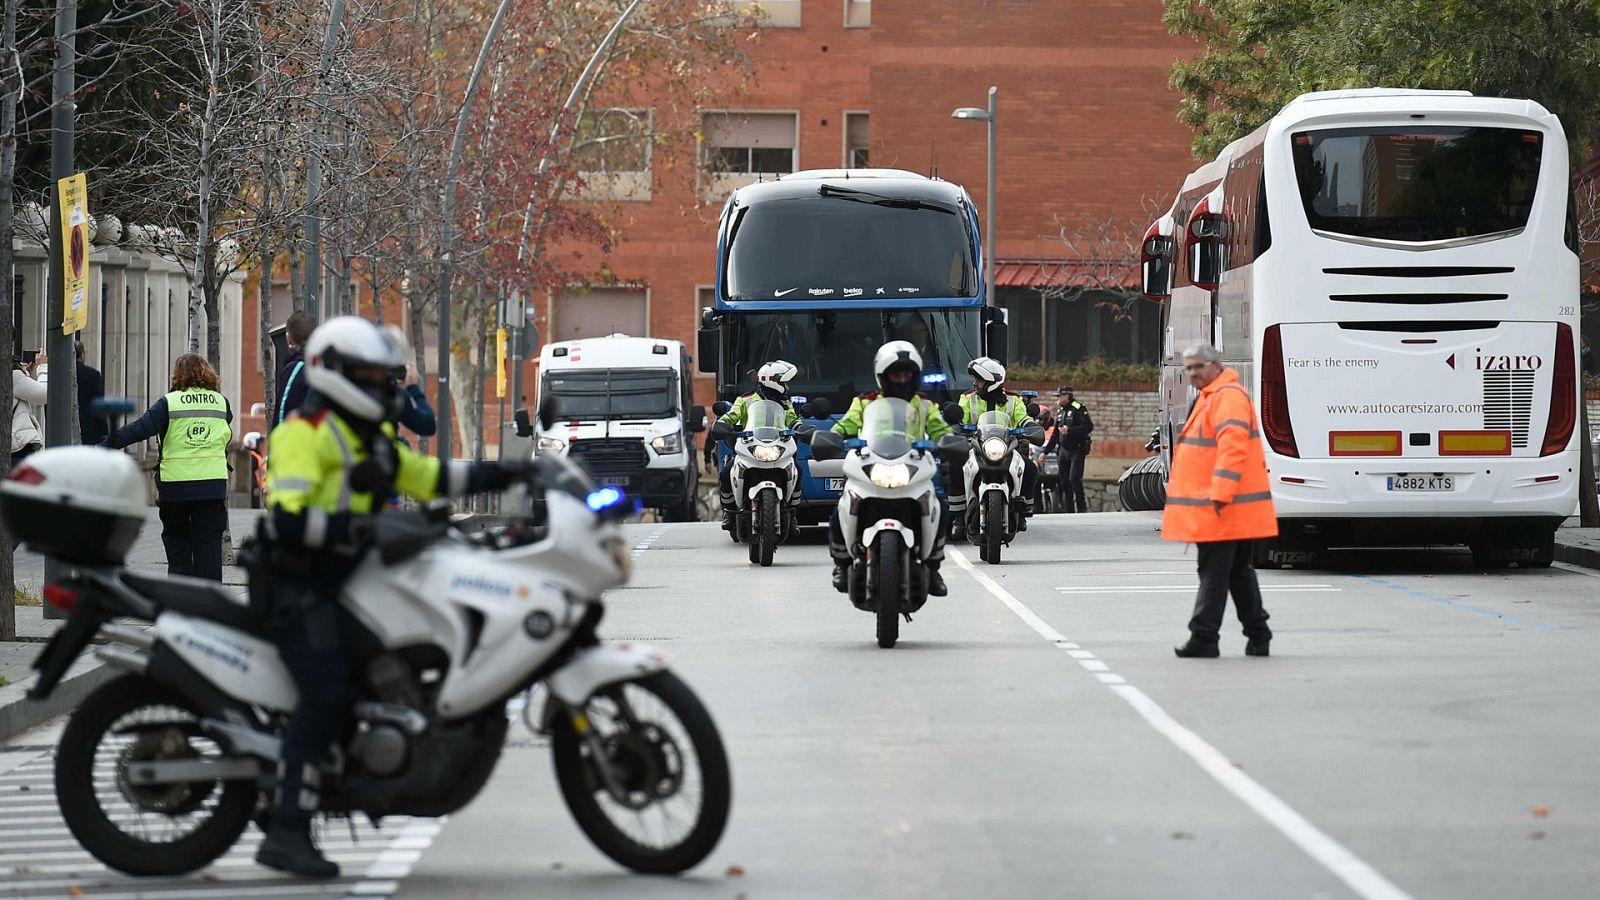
(843, 193)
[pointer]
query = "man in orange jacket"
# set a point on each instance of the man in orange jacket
(1218, 496)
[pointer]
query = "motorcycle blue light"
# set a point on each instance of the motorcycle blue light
(603, 498)
(935, 378)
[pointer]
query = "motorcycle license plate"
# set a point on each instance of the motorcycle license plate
(833, 484)
(1422, 483)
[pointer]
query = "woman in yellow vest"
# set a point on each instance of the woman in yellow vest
(192, 423)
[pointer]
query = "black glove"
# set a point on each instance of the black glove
(497, 475)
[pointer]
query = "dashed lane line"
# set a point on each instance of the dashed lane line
(1356, 873)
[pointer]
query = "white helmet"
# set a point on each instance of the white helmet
(345, 343)
(897, 355)
(774, 377)
(988, 370)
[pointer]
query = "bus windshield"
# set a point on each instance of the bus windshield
(845, 246)
(1418, 184)
(612, 394)
(833, 349)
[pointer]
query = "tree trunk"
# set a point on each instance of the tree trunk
(297, 293)
(479, 370)
(213, 305)
(414, 313)
(8, 164)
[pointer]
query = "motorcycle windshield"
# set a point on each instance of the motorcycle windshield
(885, 427)
(994, 423)
(764, 419)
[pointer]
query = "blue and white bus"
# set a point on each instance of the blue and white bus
(823, 267)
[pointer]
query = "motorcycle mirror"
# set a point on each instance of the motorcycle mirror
(820, 408)
(721, 407)
(953, 449)
(804, 432)
(827, 445)
(1033, 410)
(1033, 434)
(951, 413)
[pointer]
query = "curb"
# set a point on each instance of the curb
(18, 713)
(1573, 555)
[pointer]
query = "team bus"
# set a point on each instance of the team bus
(1394, 274)
(821, 268)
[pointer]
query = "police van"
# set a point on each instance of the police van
(623, 407)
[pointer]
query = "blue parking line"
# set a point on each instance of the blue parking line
(1463, 607)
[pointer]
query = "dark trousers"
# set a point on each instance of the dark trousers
(310, 631)
(1225, 568)
(1030, 479)
(725, 484)
(192, 531)
(840, 551)
(1069, 481)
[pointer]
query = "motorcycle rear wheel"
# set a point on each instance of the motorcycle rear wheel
(651, 756)
(888, 586)
(158, 830)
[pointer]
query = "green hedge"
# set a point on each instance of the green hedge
(1087, 372)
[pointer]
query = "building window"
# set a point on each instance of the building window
(856, 141)
(751, 143)
(597, 312)
(772, 13)
(614, 140)
(857, 13)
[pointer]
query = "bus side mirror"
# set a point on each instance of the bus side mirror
(524, 427)
(994, 333)
(1155, 259)
(547, 412)
(697, 418)
(706, 342)
(1206, 250)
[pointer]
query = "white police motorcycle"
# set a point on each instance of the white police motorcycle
(889, 511)
(160, 770)
(764, 476)
(993, 480)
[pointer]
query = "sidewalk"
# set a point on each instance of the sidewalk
(1578, 546)
(17, 713)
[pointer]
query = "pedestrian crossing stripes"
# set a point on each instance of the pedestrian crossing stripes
(39, 858)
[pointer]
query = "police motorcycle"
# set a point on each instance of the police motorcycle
(889, 510)
(160, 770)
(992, 477)
(765, 478)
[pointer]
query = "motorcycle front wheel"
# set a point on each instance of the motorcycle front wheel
(994, 527)
(889, 585)
(163, 829)
(670, 791)
(768, 525)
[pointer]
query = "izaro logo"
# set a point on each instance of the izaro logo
(1507, 363)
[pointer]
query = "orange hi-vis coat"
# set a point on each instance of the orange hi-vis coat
(1219, 458)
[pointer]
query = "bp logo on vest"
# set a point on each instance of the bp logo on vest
(198, 434)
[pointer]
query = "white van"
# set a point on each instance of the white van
(624, 408)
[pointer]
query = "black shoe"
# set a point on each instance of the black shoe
(841, 577)
(1193, 649)
(1258, 647)
(936, 585)
(1022, 523)
(288, 848)
(958, 528)
(729, 521)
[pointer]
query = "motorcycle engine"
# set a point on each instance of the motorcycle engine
(383, 749)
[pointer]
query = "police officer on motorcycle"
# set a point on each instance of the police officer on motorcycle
(989, 394)
(898, 367)
(333, 465)
(772, 383)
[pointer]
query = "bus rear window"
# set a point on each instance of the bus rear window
(1417, 184)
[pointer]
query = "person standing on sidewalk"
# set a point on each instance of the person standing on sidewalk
(193, 422)
(29, 389)
(91, 387)
(1219, 498)
(1071, 440)
(291, 382)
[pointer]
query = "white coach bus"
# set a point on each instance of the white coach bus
(1395, 276)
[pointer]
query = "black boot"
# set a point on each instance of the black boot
(1193, 649)
(1257, 647)
(936, 585)
(288, 848)
(1022, 520)
(729, 521)
(841, 577)
(958, 526)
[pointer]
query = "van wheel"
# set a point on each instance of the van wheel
(680, 512)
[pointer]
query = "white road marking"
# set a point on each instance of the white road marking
(1356, 873)
(1190, 588)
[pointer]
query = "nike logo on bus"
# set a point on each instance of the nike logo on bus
(781, 293)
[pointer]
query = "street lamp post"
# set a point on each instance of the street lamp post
(973, 113)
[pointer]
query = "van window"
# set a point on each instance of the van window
(612, 394)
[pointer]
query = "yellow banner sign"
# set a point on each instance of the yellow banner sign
(74, 207)
(500, 362)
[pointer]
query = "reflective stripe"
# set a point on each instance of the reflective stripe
(316, 527)
(1226, 473)
(1233, 423)
(1252, 498)
(1197, 441)
(1188, 501)
(197, 414)
(349, 462)
(290, 484)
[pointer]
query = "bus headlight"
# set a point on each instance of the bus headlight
(668, 443)
(994, 449)
(891, 475)
(551, 445)
(767, 453)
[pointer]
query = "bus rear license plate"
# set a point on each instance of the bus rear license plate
(833, 484)
(1422, 483)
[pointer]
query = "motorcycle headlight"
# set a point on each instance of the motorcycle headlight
(891, 475)
(551, 445)
(668, 443)
(994, 449)
(766, 452)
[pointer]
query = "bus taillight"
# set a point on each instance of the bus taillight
(1275, 396)
(1563, 395)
